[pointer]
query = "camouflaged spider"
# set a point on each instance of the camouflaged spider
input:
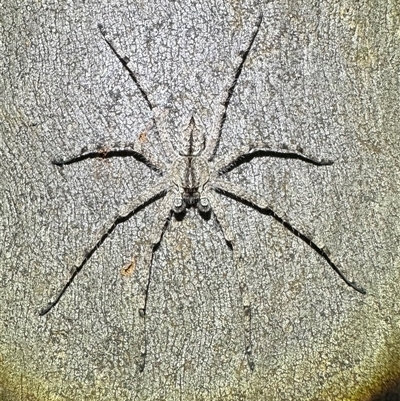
(191, 178)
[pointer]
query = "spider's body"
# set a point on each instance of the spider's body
(190, 173)
(192, 177)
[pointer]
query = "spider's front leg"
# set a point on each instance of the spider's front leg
(219, 213)
(256, 202)
(140, 202)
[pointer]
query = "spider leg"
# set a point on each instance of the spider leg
(139, 203)
(144, 271)
(247, 153)
(227, 93)
(256, 202)
(219, 214)
(158, 114)
(119, 149)
(124, 61)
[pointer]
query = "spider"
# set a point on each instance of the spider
(191, 178)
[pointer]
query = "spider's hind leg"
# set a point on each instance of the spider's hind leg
(226, 95)
(240, 273)
(159, 114)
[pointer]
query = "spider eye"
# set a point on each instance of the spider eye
(204, 205)
(204, 202)
(179, 205)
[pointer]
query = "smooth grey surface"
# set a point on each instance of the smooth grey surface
(323, 76)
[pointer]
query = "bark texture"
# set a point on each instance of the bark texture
(321, 75)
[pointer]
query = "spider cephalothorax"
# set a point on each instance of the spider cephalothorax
(190, 173)
(192, 177)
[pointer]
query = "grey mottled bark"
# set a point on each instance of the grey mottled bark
(323, 77)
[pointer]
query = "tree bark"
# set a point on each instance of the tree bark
(323, 77)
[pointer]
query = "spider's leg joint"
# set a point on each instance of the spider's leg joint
(358, 288)
(248, 349)
(142, 364)
(46, 309)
